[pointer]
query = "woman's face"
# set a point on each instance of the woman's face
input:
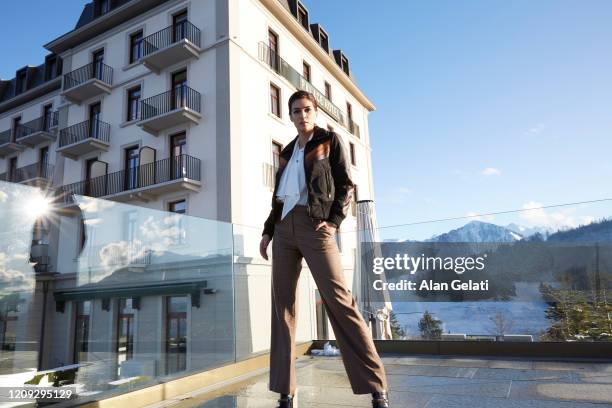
(303, 115)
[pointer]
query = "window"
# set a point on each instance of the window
(273, 45)
(103, 7)
(51, 67)
(345, 65)
(48, 121)
(302, 16)
(95, 111)
(132, 162)
(276, 151)
(275, 100)
(352, 152)
(179, 23)
(125, 332)
(176, 334)
(179, 207)
(12, 169)
(135, 46)
(306, 71)
(81, 330)
(179, 89)
(20, 82)
(354, 203)
(16, 124)
(178, 144)
(133, 106)
(328, 94)
(43, 162)
(97, 60)
(349, 111)
(324, 41)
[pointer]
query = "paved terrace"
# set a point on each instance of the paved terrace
(431, 382)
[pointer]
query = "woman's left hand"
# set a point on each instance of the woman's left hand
(327, 225)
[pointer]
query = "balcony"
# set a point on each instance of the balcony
(36, 174)
(83, 138)
(144, 182)
(38, 130)
(7, 144)
(169, 109)
(173, 44)
(88, 81)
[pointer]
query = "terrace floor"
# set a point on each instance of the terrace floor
(428, 382)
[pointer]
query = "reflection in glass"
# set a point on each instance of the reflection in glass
(176, 334)
(81, 331)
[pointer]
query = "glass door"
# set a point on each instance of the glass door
(94, 120)
(178, 144)
(44, 162)
(176, 334)
(179, 26)
(179, 89)
(98, 64)
(132, 163)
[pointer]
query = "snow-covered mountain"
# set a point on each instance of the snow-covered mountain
(478, 231)
(529, 231)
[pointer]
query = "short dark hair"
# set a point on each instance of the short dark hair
(302, 95)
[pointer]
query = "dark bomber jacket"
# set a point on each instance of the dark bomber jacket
(328, 179)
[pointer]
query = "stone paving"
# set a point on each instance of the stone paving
(431, 382)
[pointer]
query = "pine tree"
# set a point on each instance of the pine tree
(396, 330)
(429, 327)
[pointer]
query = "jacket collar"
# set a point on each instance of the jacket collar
(319, 133)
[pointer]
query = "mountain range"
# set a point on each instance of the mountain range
(479, 231)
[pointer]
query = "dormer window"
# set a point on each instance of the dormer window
(345, 65)
(302, 16)
(102, 7)
(20, 82)
(342, 61)
(324, 41)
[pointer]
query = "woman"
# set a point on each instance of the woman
(312, 193)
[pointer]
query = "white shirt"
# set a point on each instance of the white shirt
(292, 186)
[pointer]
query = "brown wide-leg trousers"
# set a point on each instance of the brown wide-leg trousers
(295, 237)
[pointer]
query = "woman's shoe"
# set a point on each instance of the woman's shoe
(380, 399)
(286, 401)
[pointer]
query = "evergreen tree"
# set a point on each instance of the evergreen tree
(429, 327)
(396, 330)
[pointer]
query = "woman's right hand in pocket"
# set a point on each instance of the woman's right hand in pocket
(263, 246)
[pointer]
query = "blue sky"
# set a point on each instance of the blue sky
(482, 106)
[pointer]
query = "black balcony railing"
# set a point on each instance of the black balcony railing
(170, 35)
(95, 129)
(179, 97)
(5, 137)
(32, 171)
(161, 171)
(36, 170)
(93, 70)
(43, 124)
